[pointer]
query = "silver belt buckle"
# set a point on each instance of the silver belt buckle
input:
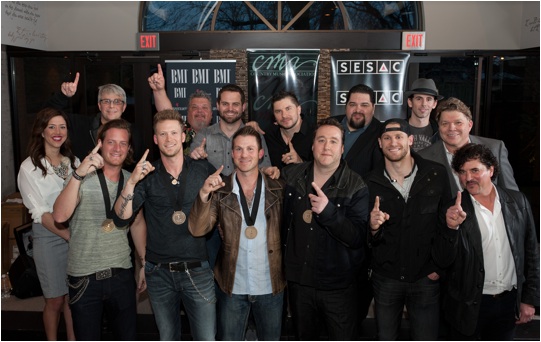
(100, 275)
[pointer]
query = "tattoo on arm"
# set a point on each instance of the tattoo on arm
(123, 208)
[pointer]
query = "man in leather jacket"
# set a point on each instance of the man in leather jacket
(488, 243)
(248, 207)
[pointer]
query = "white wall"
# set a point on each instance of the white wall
(477, 25)
(450, 25)
(92, 25)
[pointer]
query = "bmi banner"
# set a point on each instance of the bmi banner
(184, 77)
(272, 71)
(383, 72)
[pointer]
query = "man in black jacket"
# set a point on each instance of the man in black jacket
(325, 213)
(362, 154)
(406, 193)
(489, 245)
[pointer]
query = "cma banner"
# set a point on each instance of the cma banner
(272, 71)
(185, 77)
(383, 72)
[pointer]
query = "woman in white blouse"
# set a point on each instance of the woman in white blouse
(41, 178)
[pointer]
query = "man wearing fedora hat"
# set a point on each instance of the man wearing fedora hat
(422, 98)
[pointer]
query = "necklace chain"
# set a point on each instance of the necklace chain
(62, 169)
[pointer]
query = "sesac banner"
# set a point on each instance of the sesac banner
(271, 71)
(383, 72)
(184, 77)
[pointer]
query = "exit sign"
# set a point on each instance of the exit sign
(148, 41)
(413, 40)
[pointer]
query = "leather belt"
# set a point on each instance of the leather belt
(108, 273)
(181, 266)
(500, 295)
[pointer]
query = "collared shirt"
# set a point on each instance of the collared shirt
(500, 273)
(252, 275)
(218, 147)
(450, 156)
(405, 188)
(350, 136)
(167, 241)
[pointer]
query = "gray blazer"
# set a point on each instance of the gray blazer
(505, 179)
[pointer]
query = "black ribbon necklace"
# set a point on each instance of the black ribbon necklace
(105, 192)
(250, 218)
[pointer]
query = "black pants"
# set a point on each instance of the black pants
(337, 310)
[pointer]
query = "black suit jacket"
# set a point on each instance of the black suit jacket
(365, 153)
(436, 152)
(461, 253)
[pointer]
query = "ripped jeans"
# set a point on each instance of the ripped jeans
(194, 288)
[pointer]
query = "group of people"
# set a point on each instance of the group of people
(315, 220)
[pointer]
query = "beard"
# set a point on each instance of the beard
(396, 158)
(229, 119)
(357, 124)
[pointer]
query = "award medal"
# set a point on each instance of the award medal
(251, 231)
(179, 217)
(108, 225)
(175, 188)
(307, 216)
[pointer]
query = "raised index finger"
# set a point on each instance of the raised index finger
(376, 204)
(160, 72)
(144, 157)
(317, 188)
(97, 148)
(458, 199)
(76, 81)
(217, 173)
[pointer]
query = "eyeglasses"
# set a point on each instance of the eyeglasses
(108, 102)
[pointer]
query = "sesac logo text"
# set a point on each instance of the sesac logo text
(383, 97)
(359, 67)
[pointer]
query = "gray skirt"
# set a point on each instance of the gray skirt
(51, 257)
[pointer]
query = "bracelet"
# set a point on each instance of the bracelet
(455, 228)
(128, 197)
(76, 176)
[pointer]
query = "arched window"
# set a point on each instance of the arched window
(163, 16)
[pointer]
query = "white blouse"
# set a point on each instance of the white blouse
(38, 192)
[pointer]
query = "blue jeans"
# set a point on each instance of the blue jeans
(194, 288)
(339, 310)
(90, 297)
(421, 299)
(233, 315)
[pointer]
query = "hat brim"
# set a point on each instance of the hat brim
(408, 93)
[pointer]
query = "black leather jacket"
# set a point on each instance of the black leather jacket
(402, 247)
(461, 252)
(341, 239)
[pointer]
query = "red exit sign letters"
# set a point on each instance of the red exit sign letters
(148, 41)
(413, 40)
